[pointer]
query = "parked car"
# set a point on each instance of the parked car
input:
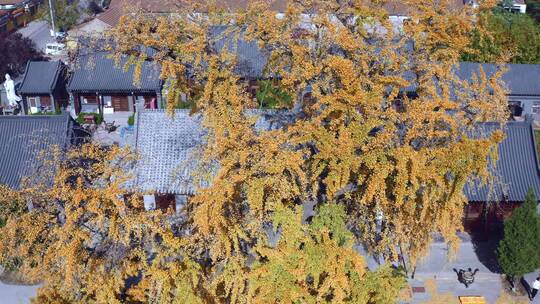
(54, 48)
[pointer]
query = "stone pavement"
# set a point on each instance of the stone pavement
(530, 278)
(440, 267)
(123, 136)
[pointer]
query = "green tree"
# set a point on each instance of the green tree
(66, 13)
(519, 251)
(511, 36)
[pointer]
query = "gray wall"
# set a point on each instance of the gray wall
(3, 96)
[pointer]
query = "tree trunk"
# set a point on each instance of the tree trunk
(512, 282)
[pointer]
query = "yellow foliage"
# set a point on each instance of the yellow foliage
(396, 162)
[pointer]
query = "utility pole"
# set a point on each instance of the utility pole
(51, 11)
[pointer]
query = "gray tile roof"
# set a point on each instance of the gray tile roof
(166, 146)
(520, 79)
(169, 147)
(516, 169)
(23, 139)
(40, 77)
(97, 72)
(251, 60)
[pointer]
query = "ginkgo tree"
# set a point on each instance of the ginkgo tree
(387, 132)
(75, 230)
(377, 155)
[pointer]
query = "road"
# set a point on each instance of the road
(17, 293)
(39, 32)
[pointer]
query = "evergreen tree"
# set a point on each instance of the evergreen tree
(508, 34)
(519, 251)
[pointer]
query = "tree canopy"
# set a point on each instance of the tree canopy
(66, 13)
(377, 156)
(512, 35)
(519, 251)
(16, 50)
(399, 170)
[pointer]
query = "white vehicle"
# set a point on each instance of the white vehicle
(54, 48)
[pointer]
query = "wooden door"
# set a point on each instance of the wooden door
(165, 202)
(120, 103)
(45, 101)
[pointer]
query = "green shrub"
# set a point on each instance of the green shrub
(185, 104)
(98, 118)
(131, 120)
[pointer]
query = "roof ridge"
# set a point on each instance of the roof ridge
(56, 73)
(23, 117)
(25, 74)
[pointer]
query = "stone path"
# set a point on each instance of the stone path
(440, 267)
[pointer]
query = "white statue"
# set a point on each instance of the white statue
(12, 97)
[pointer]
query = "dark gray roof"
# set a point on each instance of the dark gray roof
(251, 60)
(169, 147)
(520, 79)
(23, 140)
(97, 72)
(40, 77)
(516, 169)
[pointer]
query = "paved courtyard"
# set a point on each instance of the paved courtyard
(122, 136)
(439, 268)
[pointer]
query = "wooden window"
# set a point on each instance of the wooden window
(515, 107)
(473, 210)
(89, 99)
(536, 107)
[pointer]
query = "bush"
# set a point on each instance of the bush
(131, 120)
(98, 118)
(519, 251)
